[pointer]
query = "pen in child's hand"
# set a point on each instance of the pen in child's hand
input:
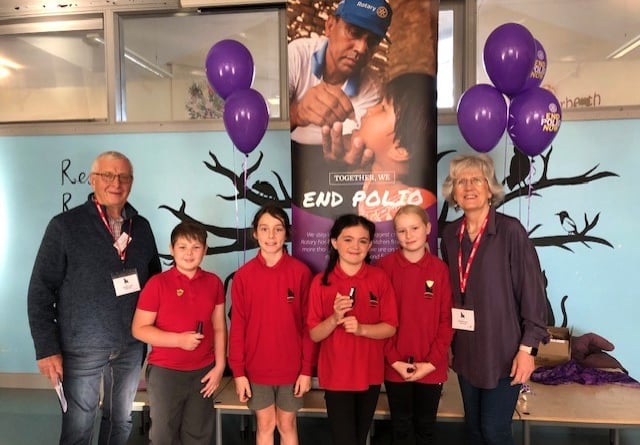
(352, 295)
(199, 327)
(410, 369)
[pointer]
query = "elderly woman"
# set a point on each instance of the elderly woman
(499, 313)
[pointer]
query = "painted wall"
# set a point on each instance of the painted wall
(38, 175)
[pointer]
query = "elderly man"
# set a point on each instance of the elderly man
(84, 287)
(329, 80)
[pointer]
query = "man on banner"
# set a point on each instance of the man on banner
(331, 86)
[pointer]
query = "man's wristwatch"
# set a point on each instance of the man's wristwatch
(529, 350)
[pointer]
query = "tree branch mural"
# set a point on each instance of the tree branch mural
(517, 182)
(260, 193)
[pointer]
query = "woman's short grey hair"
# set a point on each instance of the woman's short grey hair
(481, 162)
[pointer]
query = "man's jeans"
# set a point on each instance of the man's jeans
(83, 373)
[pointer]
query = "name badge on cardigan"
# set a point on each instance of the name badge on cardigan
(126, 282)
(462, 319)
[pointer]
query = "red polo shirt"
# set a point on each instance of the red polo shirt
(179, 303)
(348, 362)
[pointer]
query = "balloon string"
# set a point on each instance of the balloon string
(244, 168)
(237, 215)
(532, 170)
(504, 167)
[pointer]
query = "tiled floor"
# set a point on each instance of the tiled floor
(31, 417)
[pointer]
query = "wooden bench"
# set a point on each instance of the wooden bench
(612, 407)
(226, 402)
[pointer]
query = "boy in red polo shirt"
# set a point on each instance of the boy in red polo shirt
(180, 313)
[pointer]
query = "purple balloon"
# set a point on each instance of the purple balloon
(482, 116)
(509, 55)
(539, 68)
(246, 116)
(534, 120)
(229, 67)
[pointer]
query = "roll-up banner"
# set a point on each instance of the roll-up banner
(362, 94)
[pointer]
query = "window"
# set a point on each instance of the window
(163, 60)
(450, 51)
(51, 71)
(586, 42)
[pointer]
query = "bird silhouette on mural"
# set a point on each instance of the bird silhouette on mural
(519, 170)
(568, 224)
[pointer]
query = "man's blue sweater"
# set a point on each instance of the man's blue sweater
(72, 304)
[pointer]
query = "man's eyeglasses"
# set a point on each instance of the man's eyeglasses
(475, 181)
(124, 178)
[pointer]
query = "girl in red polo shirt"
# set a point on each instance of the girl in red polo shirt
(352, 310)
(417, 355)
(270, 352)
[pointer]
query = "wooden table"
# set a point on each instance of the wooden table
(586, 406)
(226, 402)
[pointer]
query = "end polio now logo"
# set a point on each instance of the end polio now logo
(551, 120)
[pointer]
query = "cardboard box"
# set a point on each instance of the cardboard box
(558, 350)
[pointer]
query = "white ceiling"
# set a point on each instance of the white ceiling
(581, 30)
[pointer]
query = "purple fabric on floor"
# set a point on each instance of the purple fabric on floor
(572, 372)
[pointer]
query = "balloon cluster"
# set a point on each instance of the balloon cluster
(230, 72)
(516, 64)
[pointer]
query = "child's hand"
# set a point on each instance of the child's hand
(350, 325)
(404, 368)
(302, 386)
(189, 340)
(421, 370)
(351, 153)
(211, 381)
(243, 388)
(341, 305)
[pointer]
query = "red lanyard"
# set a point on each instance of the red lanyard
(465, 277)
(103, 217)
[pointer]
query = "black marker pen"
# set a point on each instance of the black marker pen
(199, 327)
(410, 369)
(352, 295)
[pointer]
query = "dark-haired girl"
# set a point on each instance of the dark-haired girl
(352, 310)
(270, 352)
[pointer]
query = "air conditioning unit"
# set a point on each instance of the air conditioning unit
(213, 3)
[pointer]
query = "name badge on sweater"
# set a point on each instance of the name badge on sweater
(462, 319)
(121, 243)
(126, 282)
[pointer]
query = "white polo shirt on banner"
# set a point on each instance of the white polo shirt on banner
(306, 62)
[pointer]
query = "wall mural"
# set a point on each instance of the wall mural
(259, 193)
(519, 180)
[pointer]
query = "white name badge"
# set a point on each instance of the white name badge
(122, 243)
(126, 282)
(463, 319)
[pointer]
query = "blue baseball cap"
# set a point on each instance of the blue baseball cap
(372, 15)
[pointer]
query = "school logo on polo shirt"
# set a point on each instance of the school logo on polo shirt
(428, 288)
